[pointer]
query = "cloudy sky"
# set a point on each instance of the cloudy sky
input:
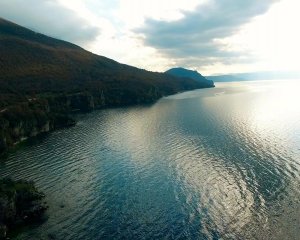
(211, 36)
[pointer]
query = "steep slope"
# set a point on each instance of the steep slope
(186, 73)
(42, 79)
(34, 63)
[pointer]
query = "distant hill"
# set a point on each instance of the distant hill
(182, 72)
(42, 79)
(225, 78)
(254, 76)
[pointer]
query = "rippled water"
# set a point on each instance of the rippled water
(207, 164)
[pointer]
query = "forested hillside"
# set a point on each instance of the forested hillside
(42, 79)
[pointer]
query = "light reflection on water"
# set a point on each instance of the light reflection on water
(207, 164)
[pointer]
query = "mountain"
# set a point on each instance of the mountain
(182, 72)
(34, 63)
(42, 79)
(267, 75)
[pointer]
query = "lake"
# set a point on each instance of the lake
(220, 163)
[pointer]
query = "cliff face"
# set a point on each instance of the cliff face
(64, 103)
(29, 119)
(45, 113)
(21, 130)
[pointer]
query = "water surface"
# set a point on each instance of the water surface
(218, 163)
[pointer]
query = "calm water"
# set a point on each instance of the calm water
(219, 163)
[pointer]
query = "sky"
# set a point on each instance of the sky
(210, 36)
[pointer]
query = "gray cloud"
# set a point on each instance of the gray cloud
(50, 18)
(193, 37)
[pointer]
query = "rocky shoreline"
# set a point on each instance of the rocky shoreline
(26, 120)
(20, 204)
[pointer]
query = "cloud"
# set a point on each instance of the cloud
(49, 17)
(198, 35)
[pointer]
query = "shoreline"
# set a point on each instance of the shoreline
(59, 121)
